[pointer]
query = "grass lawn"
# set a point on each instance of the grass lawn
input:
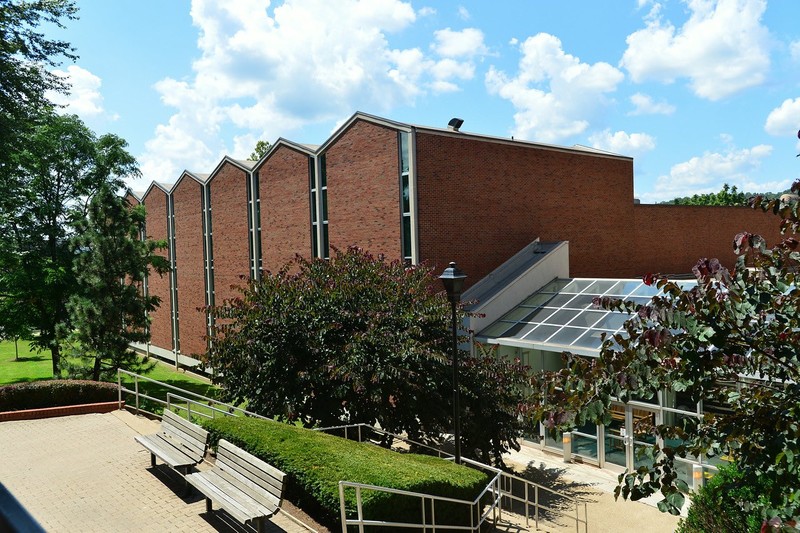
(33, 366)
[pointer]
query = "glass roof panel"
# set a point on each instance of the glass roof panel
(577, 285)
(518, 313)
(562, 316)
(601, 286)
(560, 300)
(624, 287)
(613, 321)
(556, 285)
(588, 318)
(538, 299)
(541, 333)
(566, 336)
(563, 313)
(497, 329)
(540, 315)
(591, 339)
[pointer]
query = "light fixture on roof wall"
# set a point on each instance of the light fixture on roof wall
(455, 123)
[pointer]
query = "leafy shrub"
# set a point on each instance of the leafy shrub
(55, 393)
(315, 463)
(730, 501)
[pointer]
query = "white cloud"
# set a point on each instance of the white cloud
(463, 13)
(84, 98)
(465, 43)
(426, 11)
(784, 121)
(645, 105)
(723, 48)
(623, 143)
(709, 172)
(555, 95)
(270, 70)
(794, 49)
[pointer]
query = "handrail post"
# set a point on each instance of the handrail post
(119, 389)
(136, 388)
(360, 510)
(536, 497)
(341, 508)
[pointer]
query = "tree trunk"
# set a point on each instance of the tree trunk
(55, 351)
(16, 350)
(96, 370)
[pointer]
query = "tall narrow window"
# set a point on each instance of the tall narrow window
(315, 218)
(312, 179)
(324, 183)
(406, 200)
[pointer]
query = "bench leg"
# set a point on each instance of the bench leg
(152, 460)
(208, 505)
(259, 523)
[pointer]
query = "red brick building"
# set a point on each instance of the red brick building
(417, 193)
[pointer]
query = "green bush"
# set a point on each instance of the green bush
(55, 393)
(315, 463)
(728, 502)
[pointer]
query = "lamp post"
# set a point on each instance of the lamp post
(453, 280)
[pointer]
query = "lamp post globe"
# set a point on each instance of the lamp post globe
(453, 281)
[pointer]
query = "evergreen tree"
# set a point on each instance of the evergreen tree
(109, 309)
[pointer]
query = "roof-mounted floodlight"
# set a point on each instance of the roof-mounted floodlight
(455, 123)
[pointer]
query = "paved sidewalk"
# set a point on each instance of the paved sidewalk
(85, 473)
(592, 486)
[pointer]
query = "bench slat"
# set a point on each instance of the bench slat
(268, 498)
(242, 484)
(234, 502)
(250, 470)
(189, 434)
(166, 451)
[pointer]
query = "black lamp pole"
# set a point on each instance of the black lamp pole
(453, 280)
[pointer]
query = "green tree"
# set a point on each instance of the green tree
(61, 167)
(732, 340)
(262, 147)
(727, 196)
(25, 58)
(109, 309)
(356, 339)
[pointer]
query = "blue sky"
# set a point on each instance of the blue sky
(699, 92)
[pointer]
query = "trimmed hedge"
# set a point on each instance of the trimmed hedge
(315, 463)
(717, 506)
(55, 393)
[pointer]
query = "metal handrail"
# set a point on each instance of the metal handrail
(476, 504)
(506, 484)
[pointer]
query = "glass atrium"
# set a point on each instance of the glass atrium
(562, 316)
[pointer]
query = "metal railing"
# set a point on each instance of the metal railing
(513, 489)
(479, 510)
(510, 493)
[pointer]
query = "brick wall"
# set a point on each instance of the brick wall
(189, 266)
(230, 232)
(671, 238)
(285, 211)
(155, 204)
(481, 202)
(364, 190)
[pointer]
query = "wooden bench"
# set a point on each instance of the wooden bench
(247, 488)
(179, 444)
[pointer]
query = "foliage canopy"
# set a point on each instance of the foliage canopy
(356, 339)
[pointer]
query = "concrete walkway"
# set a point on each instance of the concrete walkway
(85, 473)
(592, 486)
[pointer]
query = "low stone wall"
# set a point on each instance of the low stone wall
(66, 410)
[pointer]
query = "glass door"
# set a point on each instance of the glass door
(628, 436)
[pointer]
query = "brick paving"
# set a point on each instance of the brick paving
(85, 473)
